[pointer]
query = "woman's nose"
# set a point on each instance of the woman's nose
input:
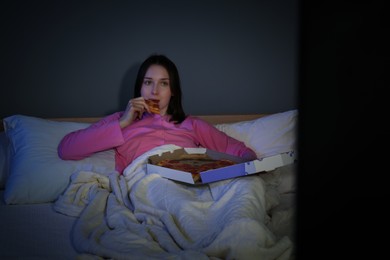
(154, 89)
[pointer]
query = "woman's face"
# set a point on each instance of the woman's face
(156, 85)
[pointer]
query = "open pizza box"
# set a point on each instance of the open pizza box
(240, 168)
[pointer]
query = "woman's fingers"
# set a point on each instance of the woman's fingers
(134, 109)
(138, 105)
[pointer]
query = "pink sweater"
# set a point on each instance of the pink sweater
(142, 135)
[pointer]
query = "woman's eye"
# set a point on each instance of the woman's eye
(147, 82)
(164, 83)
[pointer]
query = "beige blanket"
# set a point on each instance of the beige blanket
(145, 216)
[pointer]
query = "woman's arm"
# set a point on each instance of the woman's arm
(104, 134)
(212, 138)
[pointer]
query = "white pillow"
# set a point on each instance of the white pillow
(3, 159)
(268, 135)
(36, 173)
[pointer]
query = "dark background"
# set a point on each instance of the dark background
(80, 58)
(343, 193)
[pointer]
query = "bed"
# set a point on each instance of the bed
(55, 209)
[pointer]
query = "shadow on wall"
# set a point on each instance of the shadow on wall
(127, 87)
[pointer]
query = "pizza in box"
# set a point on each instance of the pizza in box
(195, 164)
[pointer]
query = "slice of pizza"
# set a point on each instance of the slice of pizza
(153, 105)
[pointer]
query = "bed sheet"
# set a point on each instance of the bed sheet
(37, 231)
(143, 215)
(34, 231)
(283, 217)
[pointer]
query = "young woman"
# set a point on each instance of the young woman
(136, 130)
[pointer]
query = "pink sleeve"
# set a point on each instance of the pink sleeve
(212, 138)
(102, 135)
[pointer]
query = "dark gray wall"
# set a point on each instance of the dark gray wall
(79, 58)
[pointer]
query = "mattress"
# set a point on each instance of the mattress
(34, 231)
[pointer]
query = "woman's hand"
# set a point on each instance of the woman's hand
(134, 109)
